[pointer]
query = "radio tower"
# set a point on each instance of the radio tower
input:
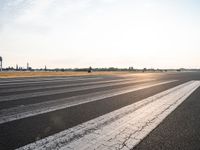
(27, 66)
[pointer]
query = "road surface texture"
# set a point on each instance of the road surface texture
(132, 111)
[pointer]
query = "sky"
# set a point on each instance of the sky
(100, 33)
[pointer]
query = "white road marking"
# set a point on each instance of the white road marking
(16, 113)
(51, 81)
(11, 80)
(60, 91)
(121, 129)
(64, 85)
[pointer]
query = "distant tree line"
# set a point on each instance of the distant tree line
(90, 69)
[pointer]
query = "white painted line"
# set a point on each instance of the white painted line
(11, 80)
(60, 91)
(51, 81)
(63, 85)
(120, 129)
(19, 112)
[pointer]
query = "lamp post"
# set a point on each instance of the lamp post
(1, 63)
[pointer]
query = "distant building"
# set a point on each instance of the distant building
(130, 68)
(27, 66)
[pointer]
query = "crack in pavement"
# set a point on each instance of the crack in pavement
(123, 128)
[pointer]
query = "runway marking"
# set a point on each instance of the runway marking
(8, 80)
(63, 85)
(121, 129)
(60, 91)
(15, 113)
(53, 80)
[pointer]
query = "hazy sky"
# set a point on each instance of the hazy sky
(100, 33)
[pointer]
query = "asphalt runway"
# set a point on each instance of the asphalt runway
(32, 109)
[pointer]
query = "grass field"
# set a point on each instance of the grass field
(44, 74)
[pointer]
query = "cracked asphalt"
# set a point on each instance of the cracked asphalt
(180, 130)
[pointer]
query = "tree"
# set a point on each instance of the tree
(90, 69)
